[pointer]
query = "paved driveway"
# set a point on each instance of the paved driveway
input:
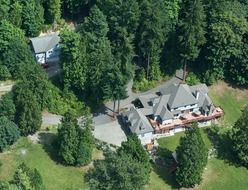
(111, 133)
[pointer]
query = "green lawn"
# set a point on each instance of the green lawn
(55, 176)
(230, 99)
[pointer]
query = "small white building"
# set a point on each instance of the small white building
(46, 48)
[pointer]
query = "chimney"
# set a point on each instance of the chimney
(197, 94)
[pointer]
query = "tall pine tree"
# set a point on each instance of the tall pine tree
(191, 31)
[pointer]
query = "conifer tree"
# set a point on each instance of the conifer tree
(191, 30)
(192, 158)
(239, 137)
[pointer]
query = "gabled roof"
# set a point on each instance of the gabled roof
(181, 96)
(139, 123)
(200, 87)
(44, 43)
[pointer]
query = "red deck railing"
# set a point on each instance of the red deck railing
(185, 120)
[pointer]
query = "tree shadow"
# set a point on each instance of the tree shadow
(165, 170)
(124, 127)
(222, 143)
(49, 144)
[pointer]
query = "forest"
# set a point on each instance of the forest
(115, 41)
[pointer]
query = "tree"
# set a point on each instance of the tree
(14, 51)
(4, 73)
(123, 19)
(191, 31)
(71, 8)
(117, 171)
(28, 111)
(73, 58)
(152, 33)
(7, 106)
(192, 158)
(114, 87)
(32, 17)
(227, 27)
(9, 133)
(16, 14)
(75, 142)
(98, 50)
(26, 178)
(36, 80)
(4, 9)
(52, 11)
(239, 137)
(134, 148)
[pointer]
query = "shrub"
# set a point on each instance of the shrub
(192, 79)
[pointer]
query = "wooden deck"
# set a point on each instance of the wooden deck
(185, 120)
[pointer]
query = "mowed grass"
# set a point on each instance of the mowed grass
(55, 176)
(230, 99)
(218, 173)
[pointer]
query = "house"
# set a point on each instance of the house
(138, 124)
(173, 108)
(46, 48)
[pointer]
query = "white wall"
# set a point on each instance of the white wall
(146, 138)
(185, 107)
(167, 121)
(40, 58)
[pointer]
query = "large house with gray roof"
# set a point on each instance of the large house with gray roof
(46, 48)
(171, 110)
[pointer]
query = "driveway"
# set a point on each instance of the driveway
(110, 133)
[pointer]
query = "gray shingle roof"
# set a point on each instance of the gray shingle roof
(181, 96)
(44, 43)
(139, 123)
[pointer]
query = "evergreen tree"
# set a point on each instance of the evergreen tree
(123, 19)
(75, 142)
(16, 14)
(28, 111)
(32, 17)
(7, 106)
(154, 26)
(99, 56)
(192, 158)
(114, 87)
(239, 137)
(9, 133)
(52, 11)
(191, 30)
(4, 9)
(73, 58)
(134, 148)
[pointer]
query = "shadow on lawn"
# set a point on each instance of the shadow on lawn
(49, 144)
(222, 143)
(165, 170)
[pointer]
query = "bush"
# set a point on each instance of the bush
(192, 79)
(64, 101)
(143, 85)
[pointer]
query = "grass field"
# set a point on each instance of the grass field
(230, 99)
